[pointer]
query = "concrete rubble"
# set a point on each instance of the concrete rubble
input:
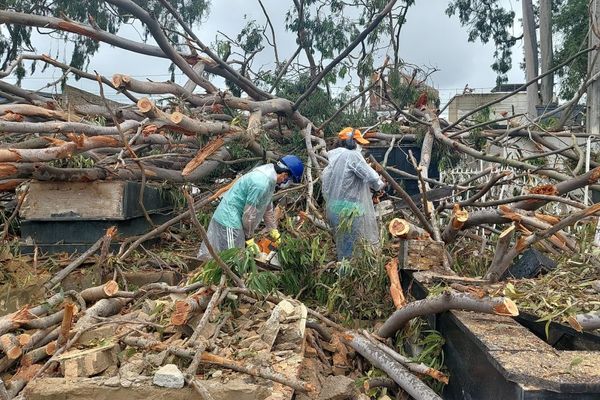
(169, 376)
(253, 347)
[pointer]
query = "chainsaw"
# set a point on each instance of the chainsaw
(267, 255)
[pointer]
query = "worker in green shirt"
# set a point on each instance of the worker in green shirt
(247, 203)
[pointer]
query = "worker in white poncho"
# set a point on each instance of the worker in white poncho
(247, 203)
(347, 184)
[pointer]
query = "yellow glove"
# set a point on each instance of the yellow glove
(251, 244)
(276, 236)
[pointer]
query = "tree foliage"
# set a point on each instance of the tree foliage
(571, 25)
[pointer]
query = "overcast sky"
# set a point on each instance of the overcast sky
(429, 38)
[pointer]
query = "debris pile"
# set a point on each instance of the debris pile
(244, 327)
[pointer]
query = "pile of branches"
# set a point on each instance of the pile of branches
(187, 139)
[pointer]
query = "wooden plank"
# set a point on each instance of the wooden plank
(51, 201)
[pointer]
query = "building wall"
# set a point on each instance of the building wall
(464, 103)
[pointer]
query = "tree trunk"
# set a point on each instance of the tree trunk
(546, 53)
(531, 57)
(502, 245)
(593, 92)
(93, 294)
(444, 302)
(407, 381)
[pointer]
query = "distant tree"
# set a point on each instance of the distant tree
(546, 51)
(487, 21)
(571, 26)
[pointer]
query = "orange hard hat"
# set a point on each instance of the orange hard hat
(350, 133)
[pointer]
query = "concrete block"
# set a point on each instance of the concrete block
(89, 362)
(337, 388)
(169, 376)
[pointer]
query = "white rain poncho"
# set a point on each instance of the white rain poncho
(241, 210)
(347, 181)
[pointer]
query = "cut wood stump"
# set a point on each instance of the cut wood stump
(585, 322)
(403, 229)
(10, 346)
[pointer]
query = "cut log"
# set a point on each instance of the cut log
(444, 302)
(402, 193)
(36, 355)
(15, 320)
(379, 382)
(401, 228)
(67, 127)
(24, 339)
(417, 368)
(458, 220)
(103, 308)
(191, 126)
(147, 107)
(407, 381)
(395, 287)
(9, 344)
(35, 111)
(585, 322)
(45, 322)
(202, 154)
(93, 294)
(184, 309)
(42, 337)
(67, 323)
(60, 150)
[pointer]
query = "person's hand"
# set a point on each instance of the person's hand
(251, 244)
(276, 236)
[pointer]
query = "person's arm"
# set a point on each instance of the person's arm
(365, 172)
(250, 217)
(269, 218)
(249, 220)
